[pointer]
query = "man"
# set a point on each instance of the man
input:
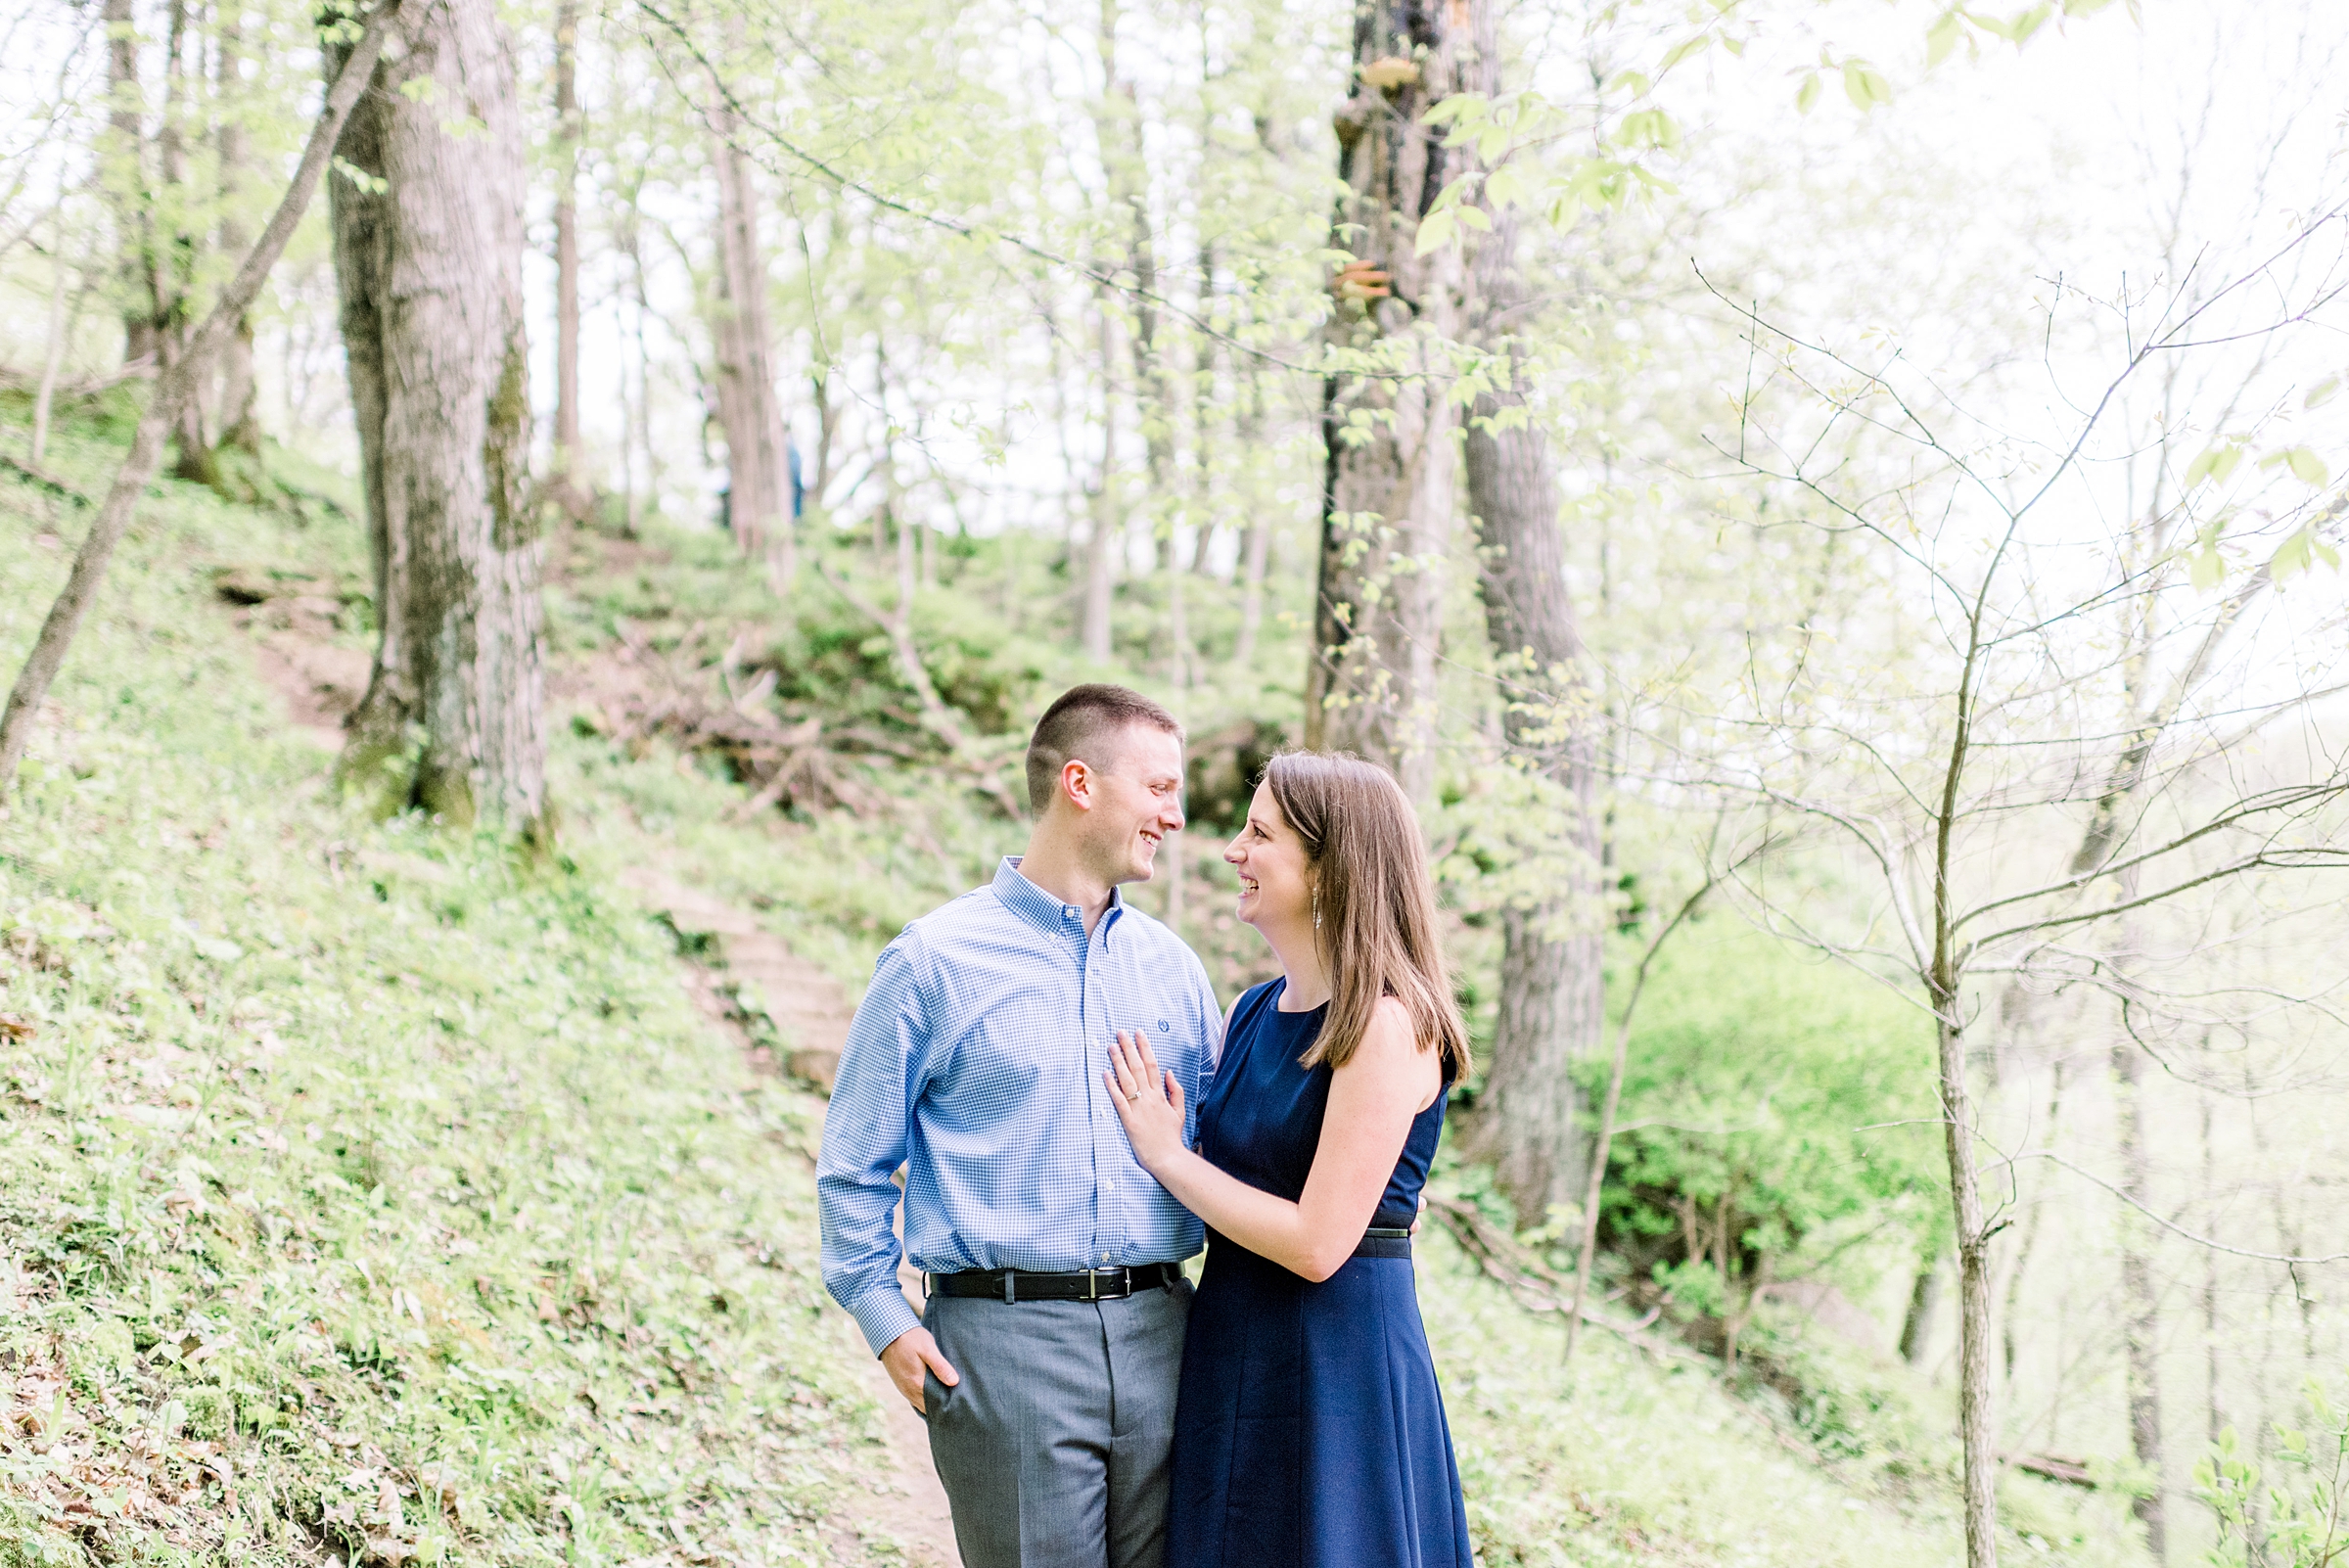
(1047, 1362)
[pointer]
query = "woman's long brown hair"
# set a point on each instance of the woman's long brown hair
(1375, 903)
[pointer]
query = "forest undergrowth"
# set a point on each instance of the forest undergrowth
(375, 1193)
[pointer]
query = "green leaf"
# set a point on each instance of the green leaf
(2306, 466)
(1683, 50)
(1459, 106)
(1634, 83)
(1476, 217)
(2290, 556)
(1451, 195)
(1505, 186)
(2027, 23)
(2322, 393)
(1436, 229)
(1865, 86)
(1943, 38)
(1807, 94)
(2217, 461)
(1649, 128)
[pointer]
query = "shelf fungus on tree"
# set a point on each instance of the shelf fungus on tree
(1362, 280)
(1391, 72)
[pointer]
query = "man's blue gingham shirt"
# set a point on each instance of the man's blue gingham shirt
(976, 1062)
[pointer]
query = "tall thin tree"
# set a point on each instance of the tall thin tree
(568, 490)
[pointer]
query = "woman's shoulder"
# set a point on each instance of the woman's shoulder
(1392, 1034)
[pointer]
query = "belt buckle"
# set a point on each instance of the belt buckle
(1092, 1284)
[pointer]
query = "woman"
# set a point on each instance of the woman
(1309, 1430)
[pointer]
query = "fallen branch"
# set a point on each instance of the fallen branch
(47, 482)
(2071, 1472)
(171, 394)
(1531, 1282)
(937, 716)
(142, 368)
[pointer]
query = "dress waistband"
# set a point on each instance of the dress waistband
(1379, 1241)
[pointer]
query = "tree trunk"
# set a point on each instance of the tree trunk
(2034, 1210)
(1256, 544)
(1388, 475)
(240, 427)
(171, 274)
(429, 268)
(1924, 1294)
(758, 485)
(1530, 1116)
(125, 171)
(1976, 1422)
(568, 490)
(2140, 1306)
(54, 355)
(2214, 1401)
(1094, 630)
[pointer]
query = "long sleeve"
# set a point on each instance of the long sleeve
(865, 1132)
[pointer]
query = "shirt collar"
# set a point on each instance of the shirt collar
(1039, 909)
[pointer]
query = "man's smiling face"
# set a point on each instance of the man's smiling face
(1137, 803)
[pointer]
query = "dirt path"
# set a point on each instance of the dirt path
(908, 1504)
(904, 1516)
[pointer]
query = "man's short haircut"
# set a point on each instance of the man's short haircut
(1083, 725)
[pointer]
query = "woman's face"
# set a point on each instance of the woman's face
(1276, 886)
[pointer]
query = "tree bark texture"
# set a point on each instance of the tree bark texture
(1553, 997)
(172, 273)
(1095, 633)
(239, 425)
(1975, 1413)
(125, 171)
(2140, 1305)
(1917, 1323)
(172, 389)
(427, 263)
(1388, 477)
(759, 488)
(567, 487)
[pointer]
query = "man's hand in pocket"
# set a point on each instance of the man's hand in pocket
(907, 1356)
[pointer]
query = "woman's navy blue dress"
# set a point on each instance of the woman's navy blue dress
(1309, 1432)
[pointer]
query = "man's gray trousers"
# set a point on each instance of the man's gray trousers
(1054, 1447)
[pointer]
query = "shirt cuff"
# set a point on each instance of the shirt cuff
(883, 1316)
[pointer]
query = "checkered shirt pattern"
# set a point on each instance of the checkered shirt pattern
(975, 1061)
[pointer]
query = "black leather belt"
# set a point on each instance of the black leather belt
(1089, 1284)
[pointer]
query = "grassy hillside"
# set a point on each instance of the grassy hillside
(367, 1193)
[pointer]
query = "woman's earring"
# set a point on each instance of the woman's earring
(1316, 896)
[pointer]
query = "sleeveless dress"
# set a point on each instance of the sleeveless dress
(1309, 1432)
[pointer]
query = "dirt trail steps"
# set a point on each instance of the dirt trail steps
(812, 1013)
(904, 1518)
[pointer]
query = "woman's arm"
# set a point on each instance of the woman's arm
(1386, 1083)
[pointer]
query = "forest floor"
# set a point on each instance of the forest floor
(369, 1195)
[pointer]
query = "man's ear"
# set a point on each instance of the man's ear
(1077, 783)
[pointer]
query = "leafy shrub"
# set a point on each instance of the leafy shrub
(1774, 1118)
